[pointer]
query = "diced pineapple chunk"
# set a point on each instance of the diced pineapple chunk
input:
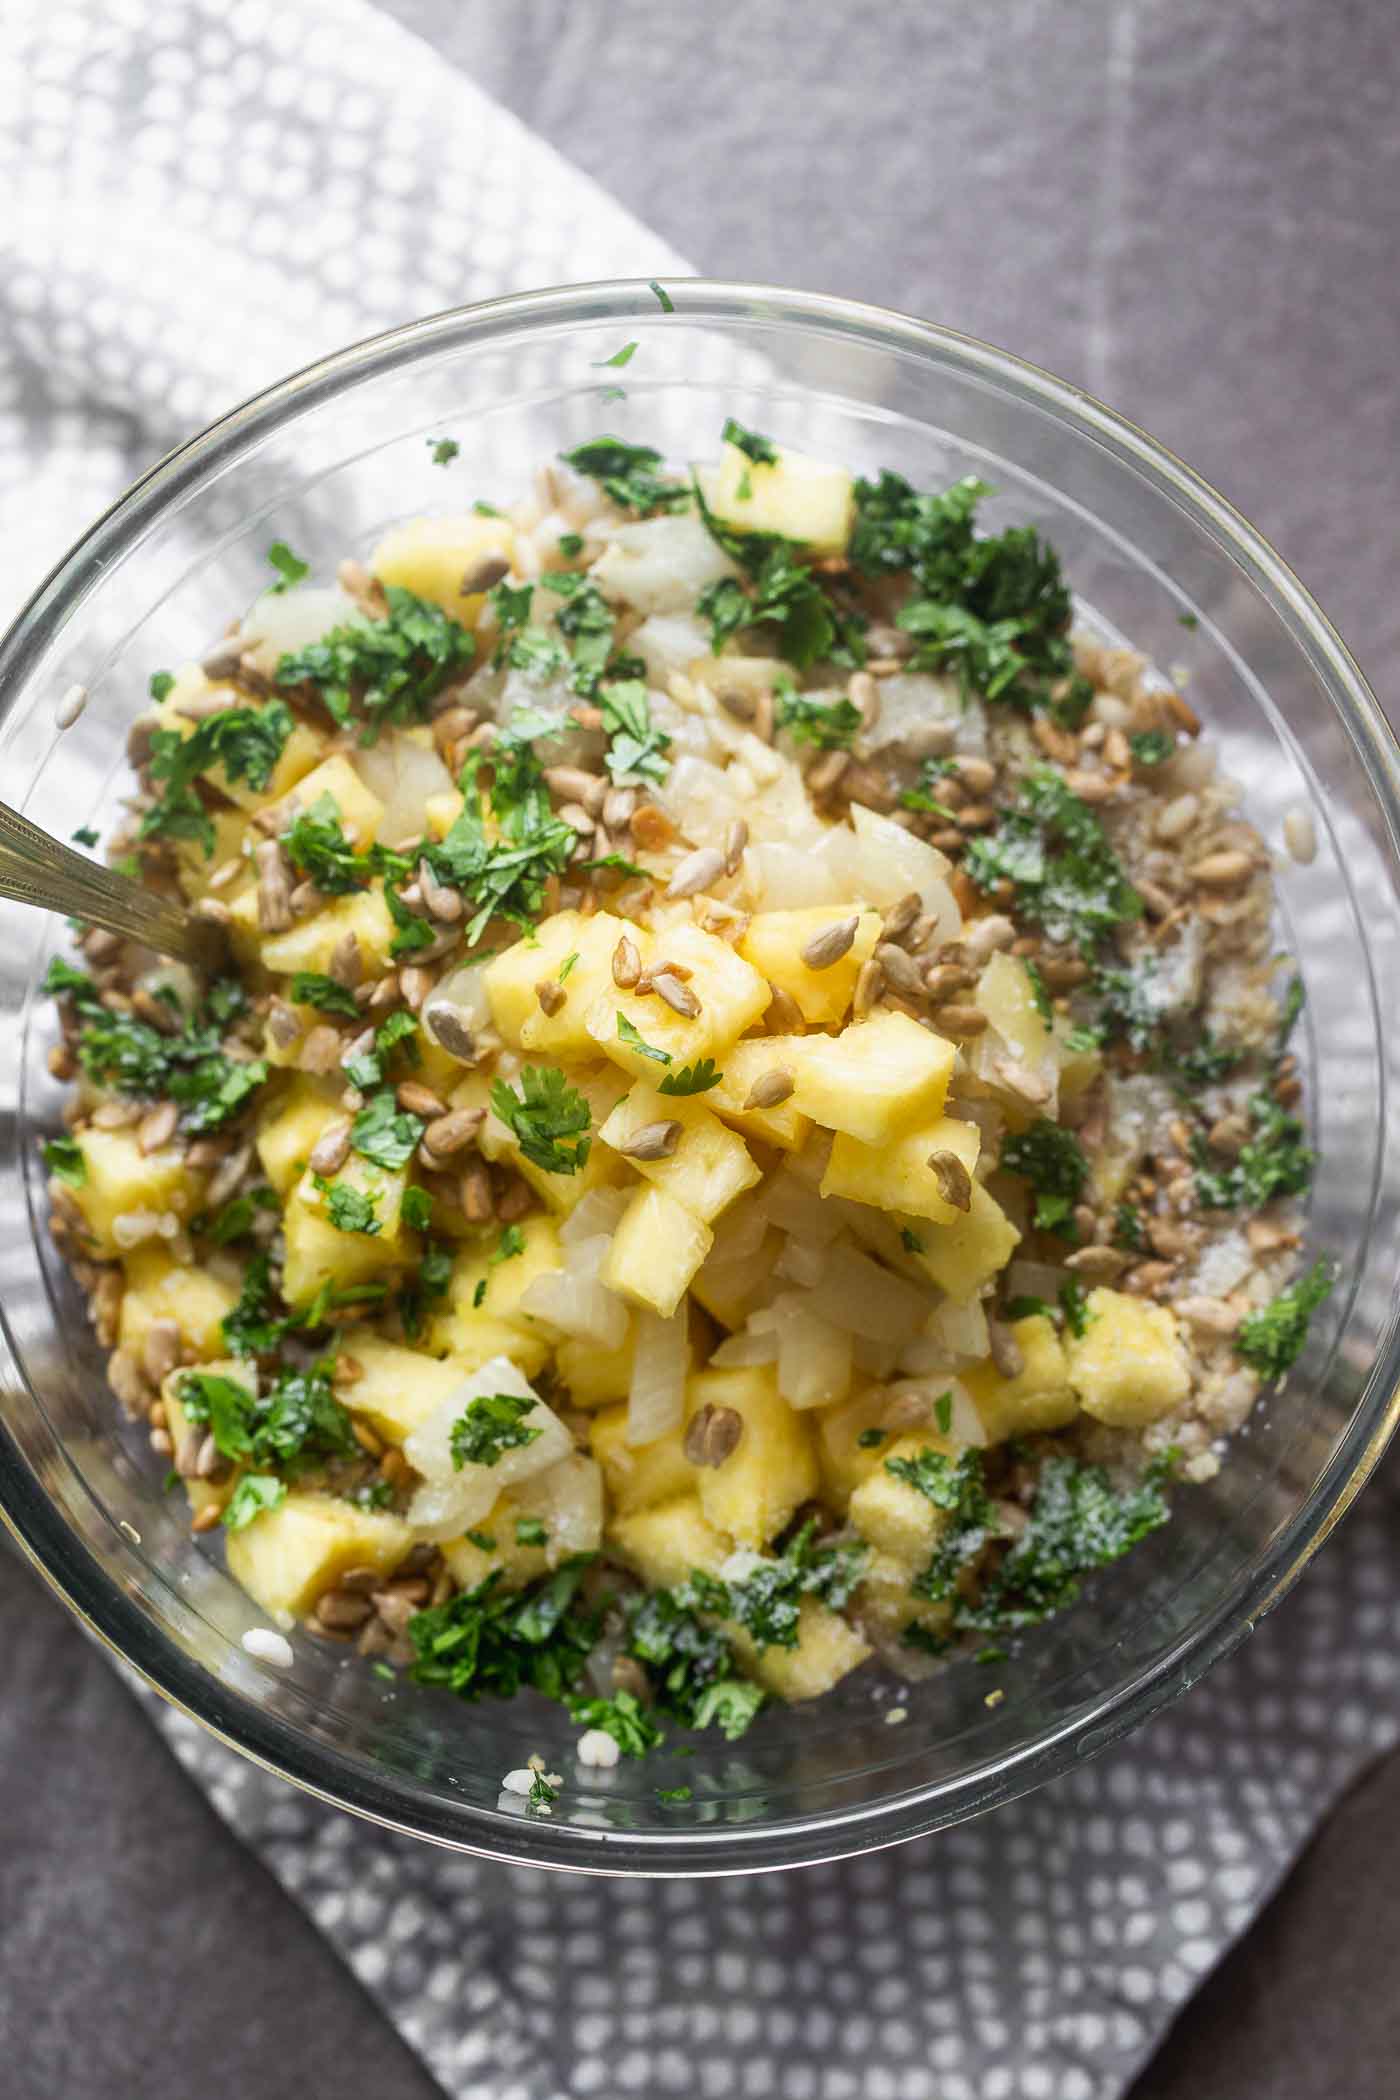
(731, 996)
(897, 1175)
(801, 498)
(200, 1494)
(194, 866)
(435, 557)
(474, 1339)
(484, 1281)
(1007, 997)
(1128, 1367)
(892, 1513)
(471, 1560)
(160, 1288)
(828, 1649)
(440, 812)
(774, 940)
(121, 1178)
(772, 1470)
(594, 1377)
(845, 1461)
(318, 1252)
(601, 1086)
(639, 1475)
(875, 1078)
(289, 1126)
(288, 1556)
(310, 944)
(298, 754)
(667, 1542)
(967, 1254)
(656, 1250)
(397, 1388)
(360, 810)
(510, 981)
(887, 1602)
(745, 1063)
(1039, 1397)
(709, 1167)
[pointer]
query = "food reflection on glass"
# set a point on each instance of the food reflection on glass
(748, 1126)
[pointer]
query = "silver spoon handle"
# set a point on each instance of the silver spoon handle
(36, 869)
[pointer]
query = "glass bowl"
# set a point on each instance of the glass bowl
(324, 461)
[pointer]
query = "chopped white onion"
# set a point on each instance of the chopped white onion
(660, 565)
(403, 773)
(860, 1297)
(568, 1500)
(453, 1498)
(660, 1363)
(1034, 1279)
(574, 1300)
(874, 1359)
(282, 622)
(814, 1358)
(800, 1263)
(594, 1216)
(750, 1345)
(798, 1210)
(961, 1329)
(462, 996)
(790, 878)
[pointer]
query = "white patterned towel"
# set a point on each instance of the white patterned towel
(202, 195)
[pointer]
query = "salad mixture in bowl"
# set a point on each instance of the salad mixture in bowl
(747, 1127)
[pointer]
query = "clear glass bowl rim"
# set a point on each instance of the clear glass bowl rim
(121, 1625)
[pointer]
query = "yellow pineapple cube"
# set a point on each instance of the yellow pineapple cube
(435, 557)
(360, 810)
(472, 1339)
(288, 1556)
(318, 1252)
(1007, 997)
(440, 812)
(666, 1543)
(774, 940)
(298, 754)
(710, 1165)
(897, 1175)
(845, 1461)
(160, 1288)
(731, 995)
(601, 1086)
(656, 1250)
(594, 1377)
(772, 1470)
(1129, 1366)
(875, 1078)
(886, 1601)
(828, 1649)
(510, 981)
(804, 499)
(472, 1559)
(397, 1388)
(892, 1513)
(121, 1178)
(1039, 1397)
(638, 1475)
(194, 866)
(967, 1254)
(289, 1125)
(745, 1063)
(484, 1281)
(310, 944)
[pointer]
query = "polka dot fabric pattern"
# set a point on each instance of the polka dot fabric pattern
(200, 198)
(1037, 1954)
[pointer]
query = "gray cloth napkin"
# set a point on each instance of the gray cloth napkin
(202, 197)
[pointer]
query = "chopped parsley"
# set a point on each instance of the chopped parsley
(828, 725)
(189, 1067)
(162, 685)
(663, 297)
(444, 450)
(1274, 1162)
(1052, 1160)
(85, 836)
(871, 1439)
(691, 1079)
(691, 1663)
(781, 591)
(491, 1641)
(290, 567)
(296, 1423)
(1074, 1304)
(244, 742)
(63, 1156)
(628, 474)
(351, 1210)
(430, 1280)
(412, 932)
(674, 1793)
(571, 544)
(490, 1426)
(416, 1209)
(1294, 1000)
(621, 357)
(510, 1244)
(943, 1413)
(1078, 1522)
(548, 1118)
(911, 1241)
(636, 747)
(530, 1531)
(318, 849)
(1053, 850)
(235, 1220)
(504, 871)
(482, 1540)
(566, 968)
(1040, 992)
(587, 620)
(761, 450)
(1129, 1232)
(1151, 747)
(635, 1040)
(1271, 1340)
(955, 1486)
(253, 1496)
(385, 670)
(623, 1717)
(542, 1792)
(326, 994)
(386, 1134)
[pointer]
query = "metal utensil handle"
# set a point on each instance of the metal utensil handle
(36, 869)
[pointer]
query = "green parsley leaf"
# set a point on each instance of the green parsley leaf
(1294, 1000)
(385, 670)
(85, 836)
(504, 874)
(663, 298)
(510, 1244)
(417, 1209)
(1129, 1232)
(491, 1425)
(1274, 1162)
(235, 1220)
(1053, 849)
(479, 1294)
(570, 544)
(491, 1641)
(548, 1118)
(1271, 1340)
(636, 747)
(63, 1156)
(386, 1134)
(696, 1078)
(871, 1439)
(1151, 747)
(827, 725)
(484, 509)
(569, 963)
(910, 1240)
(1078, 1522)
(189, 1067)
(624, 356)
(161, 686)
(444, 450)
(761, 450)
(351, 1210)
(1074, 1304)
(674, 1793)
(990, 1654)
(482, 1540)
(290, 567)
(1188, 620)
(628, 474)
(614, 864)
(541, 1793)
(413, 932)
(531, 1531)
(628, 1034)
(243, 743)
(623, 1717)
(326, 994)
(1026, 1308)
(1040, 992)
(731, 1705)
(254, 1495)
(954, 1486)
(1052, 1159)
(943, 1413)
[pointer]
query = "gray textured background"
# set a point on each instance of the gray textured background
(1193, 210)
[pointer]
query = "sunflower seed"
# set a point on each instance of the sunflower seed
(770, 1088)
(713, 1435)
(332, 1148)
(735, 840)
(626, 964)
(652, 1141)
(827, 947)
(954, 1181)
(698, 871)
(679, 997)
